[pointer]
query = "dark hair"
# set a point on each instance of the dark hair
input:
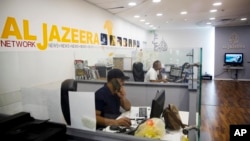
(156, 63)
(116, 73)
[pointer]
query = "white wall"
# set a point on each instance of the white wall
(31, 67)
(28, 67)
(183, 39)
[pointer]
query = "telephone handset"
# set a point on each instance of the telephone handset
(116, 85)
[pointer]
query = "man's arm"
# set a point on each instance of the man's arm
(104, 121)
(125, 103)
(108, 122)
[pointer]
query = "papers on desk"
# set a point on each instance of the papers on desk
(82, 110)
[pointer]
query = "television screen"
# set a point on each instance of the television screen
(233, 59)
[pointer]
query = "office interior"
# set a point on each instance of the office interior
(36, 57)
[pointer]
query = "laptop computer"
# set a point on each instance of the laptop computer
(146, 112)
(142, 112)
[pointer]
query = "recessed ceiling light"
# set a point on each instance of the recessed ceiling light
(159, 14)
(132, 4)
(136, 16)
(243, 19)
(213, 10)
(155, 1)
(166, 21)
(217, 4)
(183, 12)
(208, 23)
(151, 25)
(147, 23)
(142, 20)
(212, 18)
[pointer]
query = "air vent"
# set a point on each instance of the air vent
(117, 7)
(226, 20)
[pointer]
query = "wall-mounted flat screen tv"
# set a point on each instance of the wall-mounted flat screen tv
(234, 59)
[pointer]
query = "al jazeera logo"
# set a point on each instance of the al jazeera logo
(16, 34)
(234, 42)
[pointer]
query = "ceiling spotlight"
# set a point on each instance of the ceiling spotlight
(155, 1)
(212, 18)
(147, 23)
(132, 4)
(151, 25)
(136, 16)
(183, 12)
(243, 19)
(208, 23)
(213, 10)
(217, 4)
(142, 20)
(159, 14)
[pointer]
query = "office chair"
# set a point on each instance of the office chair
(66, 86)
(138, 72)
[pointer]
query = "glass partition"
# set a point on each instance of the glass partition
(184, 94)
(189, 60)
(182, 67)
(183, 58)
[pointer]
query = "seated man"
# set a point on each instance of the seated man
(108, 100)
(154, 74)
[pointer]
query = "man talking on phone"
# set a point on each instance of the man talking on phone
(109, 99)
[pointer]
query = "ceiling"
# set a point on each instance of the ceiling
(198, 12)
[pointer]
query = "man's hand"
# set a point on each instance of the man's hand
(124, 101)
(124, 121)
(121, 93)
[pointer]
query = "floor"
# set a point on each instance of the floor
(223, 103)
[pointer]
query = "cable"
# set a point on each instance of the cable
(220, 73)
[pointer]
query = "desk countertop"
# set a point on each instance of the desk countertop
(170, 135)
(102, 81)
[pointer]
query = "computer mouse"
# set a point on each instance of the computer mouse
(114, 127)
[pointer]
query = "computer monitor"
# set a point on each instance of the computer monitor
(158, 104)
(175, 72)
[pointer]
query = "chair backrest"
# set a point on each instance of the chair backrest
(66, 86)
(138, 72)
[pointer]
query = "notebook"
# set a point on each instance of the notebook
(140, 112)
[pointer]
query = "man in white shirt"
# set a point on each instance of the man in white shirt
(153, 74)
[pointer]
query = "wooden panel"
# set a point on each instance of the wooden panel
(224, 103)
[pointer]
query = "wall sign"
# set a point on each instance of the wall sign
(233, 42)
(18, 35)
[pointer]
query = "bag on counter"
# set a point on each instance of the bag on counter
(172, 118)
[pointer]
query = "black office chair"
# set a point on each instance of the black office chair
(66, 86)
(138, 72)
